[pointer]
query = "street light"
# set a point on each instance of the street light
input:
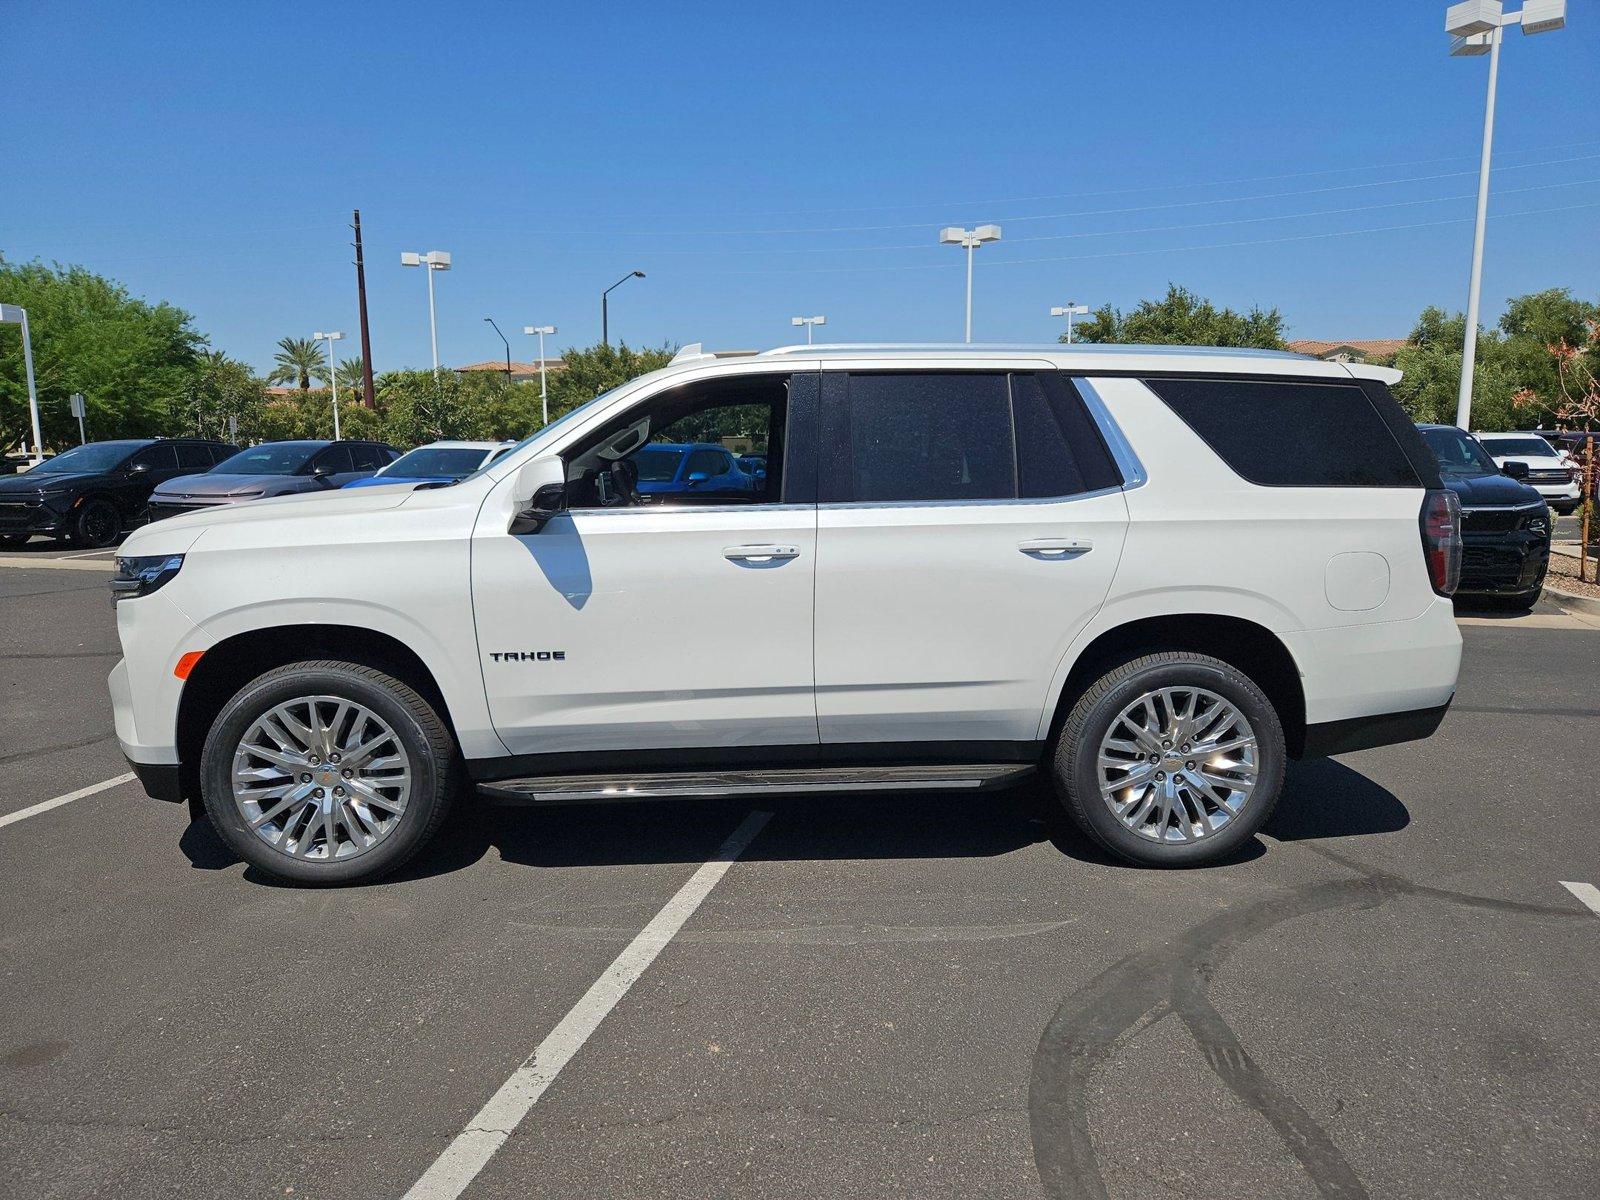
(544, 396)
(508, 346)
(1069, 310)
(333, 378)
(1475, 28)
(810, 323)
(12, 314)
(954, 235)
(605, 325)
(434, 260)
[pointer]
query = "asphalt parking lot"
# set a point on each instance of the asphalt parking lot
(1392, 993)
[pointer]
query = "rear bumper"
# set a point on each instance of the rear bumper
(1363, 733)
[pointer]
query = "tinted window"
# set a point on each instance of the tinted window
(370, 458)
(1457, 453)
(707, 462)
(157, 458)
(929, 436)
(218, 452)
(1059, 451)
(451, 461)
(193, 456)
(96, 456)
(1291, 433)
(1511, 447)
(273, 458)
(335, 460)
(657, 466)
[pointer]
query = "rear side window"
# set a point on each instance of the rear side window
(157, 458)
(193, 455)
(954, 436)
(368, 458)
(707, 463)
(1293, 433)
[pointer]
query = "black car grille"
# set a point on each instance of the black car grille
(1500, 520)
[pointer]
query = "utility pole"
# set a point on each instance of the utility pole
(367, 396)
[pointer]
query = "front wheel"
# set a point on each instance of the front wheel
(97, 524)
(13, 541)
(327, 772)
(1173, 759)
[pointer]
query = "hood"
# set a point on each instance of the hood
(1491, 491)
(408, 480)
(29, 484)
(212, 484)
(302, 506)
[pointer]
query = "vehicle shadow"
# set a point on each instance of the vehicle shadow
(1322, 799)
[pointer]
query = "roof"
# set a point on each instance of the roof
(1374, 348)
(1054, 349)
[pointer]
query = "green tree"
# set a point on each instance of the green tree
(298, 361)
(1182, 318)
(132, 360)
(225, 396)
(586, 373)
(348, 374)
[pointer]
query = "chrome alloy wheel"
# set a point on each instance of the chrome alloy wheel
(321, 778)
(1178, 764)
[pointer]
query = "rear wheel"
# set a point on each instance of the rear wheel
(1172, 759)
(327, 772)
(97, 524)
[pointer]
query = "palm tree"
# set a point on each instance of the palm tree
(297, 361)
(349, 374)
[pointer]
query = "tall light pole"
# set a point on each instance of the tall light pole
(1475, 28)
(954, 235)
(605, 320)
(12, 314)
(544, 396)
(433, 260)
(508, 346)
(1069, 310)
(333, 375)
(810, 323)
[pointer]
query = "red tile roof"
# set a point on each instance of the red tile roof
(498, 365)
(1372, 348)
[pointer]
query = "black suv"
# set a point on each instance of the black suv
(91, 493)
(1505, 524)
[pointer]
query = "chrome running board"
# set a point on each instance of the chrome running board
(663, 785)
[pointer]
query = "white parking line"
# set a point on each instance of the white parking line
(22, 814)
(488, 1130)
(1588, 895)
(88, 553)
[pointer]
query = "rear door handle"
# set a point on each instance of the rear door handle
(760, 553)
(1055, 547)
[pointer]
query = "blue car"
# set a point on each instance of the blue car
(701, 468)
(437, 462)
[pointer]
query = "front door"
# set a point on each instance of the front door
(667, 620)
(969, 527)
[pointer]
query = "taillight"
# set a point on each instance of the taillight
(1441, 540)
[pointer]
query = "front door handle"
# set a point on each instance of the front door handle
(760, 553)
(1055, 547)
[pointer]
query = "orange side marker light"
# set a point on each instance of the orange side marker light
(186, 663)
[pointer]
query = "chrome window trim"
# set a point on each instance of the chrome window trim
(1122, 451)
(988, 503)
(679, 509)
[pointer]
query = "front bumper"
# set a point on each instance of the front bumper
(1503, 564)
(161, 507)
(38, 517)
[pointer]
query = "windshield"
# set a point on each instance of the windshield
(1515, 447)
(1458, 454)
(450, 461)
(657, 466)
(97, 456)
(275, 458)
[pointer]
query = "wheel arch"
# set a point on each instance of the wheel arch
(1245, 644)
(227, 666)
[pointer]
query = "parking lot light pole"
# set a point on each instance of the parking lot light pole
(433, 260)
(1475, 28)
(496, 328)
(333, 376)
(605, 318)
(13, 314)
(810, 323)
(544, 395)
(1069, 310)
(954, 235)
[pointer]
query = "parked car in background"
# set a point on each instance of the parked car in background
(437, 462)
(754, 465)
(91, 493)
(1505, 524)
(669, 468)
(271, 469)
(1548, 472)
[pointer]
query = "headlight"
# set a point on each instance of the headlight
(141, 575)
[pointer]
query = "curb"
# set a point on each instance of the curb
(1583, 604)
(55, 564)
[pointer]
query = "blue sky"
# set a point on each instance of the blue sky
(760, 162)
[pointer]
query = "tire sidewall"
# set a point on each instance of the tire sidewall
(274, 688)
(1077, 764)
(79, 526)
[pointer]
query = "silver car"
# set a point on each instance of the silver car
(271, 469)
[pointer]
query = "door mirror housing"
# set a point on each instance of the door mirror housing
(1517, 470)
(540, 492)
(139, 468)
(698, 477)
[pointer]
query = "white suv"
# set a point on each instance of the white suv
(1151, 574)
(1543, 468)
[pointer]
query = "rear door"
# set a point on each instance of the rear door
(969, 526)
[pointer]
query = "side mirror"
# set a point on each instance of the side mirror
(697, 477)
(139, 468)
(1517, 470)
(539, 494)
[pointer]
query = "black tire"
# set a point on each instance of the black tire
(1075, 768)
(425, 737)
(97, 524)
(13, 541)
